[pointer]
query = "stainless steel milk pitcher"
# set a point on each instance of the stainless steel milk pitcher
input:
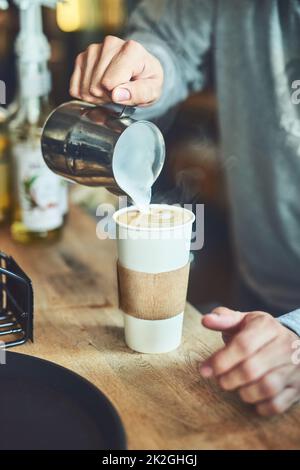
(80, 142)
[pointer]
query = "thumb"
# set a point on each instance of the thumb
(223, 319)
(137, 92)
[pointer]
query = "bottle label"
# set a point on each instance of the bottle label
(39, 190)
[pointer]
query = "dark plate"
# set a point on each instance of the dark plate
(45, 406)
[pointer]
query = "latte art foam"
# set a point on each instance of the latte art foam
(155, 218)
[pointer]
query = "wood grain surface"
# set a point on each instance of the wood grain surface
(162, 400)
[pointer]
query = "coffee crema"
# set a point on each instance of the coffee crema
(156, 217)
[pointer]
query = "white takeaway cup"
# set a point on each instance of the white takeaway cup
(154, 250)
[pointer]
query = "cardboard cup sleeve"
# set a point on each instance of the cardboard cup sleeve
(153, 296)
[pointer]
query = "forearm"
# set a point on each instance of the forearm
(179, 34)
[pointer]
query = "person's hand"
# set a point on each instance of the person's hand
(117, 71)
(258, 359)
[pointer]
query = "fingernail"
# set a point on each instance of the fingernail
(206, 371)
(122, 94)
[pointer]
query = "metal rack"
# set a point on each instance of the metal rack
(16, 304)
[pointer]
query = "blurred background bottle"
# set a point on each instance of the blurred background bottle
(38, 194)
(4, 170)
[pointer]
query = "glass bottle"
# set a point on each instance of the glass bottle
(4, 171)
(37, 212)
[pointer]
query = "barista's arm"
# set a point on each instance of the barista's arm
(179, 33)
(162, 60)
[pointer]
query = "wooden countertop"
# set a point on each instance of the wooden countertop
(162, 400)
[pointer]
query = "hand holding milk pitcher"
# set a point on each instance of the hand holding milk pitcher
(117, 71)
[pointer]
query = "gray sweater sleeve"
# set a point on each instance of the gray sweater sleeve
(179, 34)
(292, 321)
